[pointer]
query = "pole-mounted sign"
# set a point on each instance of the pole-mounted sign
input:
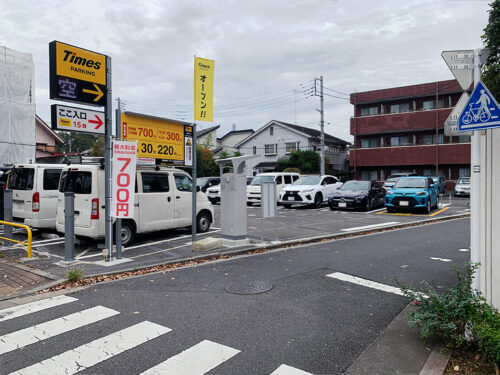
(77, 75)
(77, 119)
(203, 89)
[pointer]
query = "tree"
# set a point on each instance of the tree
(98, 147)
(307, 161)
(491, 40)
(205, 163)
(79, 141)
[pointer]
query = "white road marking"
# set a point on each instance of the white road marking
(378, 210)
(85, 356)
(441, 259)
(49, 244)
(49, 240)
(168, 240)
(463, 250)
(198, 359)
(17, 311)
(366, 283)
(373, 226)
(43, 331)
(288, 370)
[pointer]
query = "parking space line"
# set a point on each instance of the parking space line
(168, 240)
(441, 259)
(438, 212)
(380, 209)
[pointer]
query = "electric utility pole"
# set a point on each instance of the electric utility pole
(322, 122)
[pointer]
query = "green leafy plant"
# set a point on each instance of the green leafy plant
(449, 316)
(488, 333)
(74, 274)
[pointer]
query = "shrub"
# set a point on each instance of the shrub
(292, 170)
(74, 274)
(488, 333)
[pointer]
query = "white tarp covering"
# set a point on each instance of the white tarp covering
(17, 107)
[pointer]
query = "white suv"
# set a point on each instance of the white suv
(162, 201)
(281, 179)
(309, 190)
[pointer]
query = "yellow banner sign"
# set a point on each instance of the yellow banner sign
(156, 138)
(80, 64)
(203, 89)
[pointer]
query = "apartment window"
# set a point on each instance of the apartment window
(427, 139)
(463, 172)
(368, 143)
(400, 141)
(463, 139)
(291, 146)
(427, 172)
(255, 150)
(369, 175)
(271, 130)
(270, 149)
(370, 111)
(428, 104)
(401, 107)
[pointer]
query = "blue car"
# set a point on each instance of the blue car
(410, 193)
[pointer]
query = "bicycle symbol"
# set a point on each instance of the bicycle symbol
(476, 115)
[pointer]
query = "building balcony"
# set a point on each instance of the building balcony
(453, 153)
(399, 122)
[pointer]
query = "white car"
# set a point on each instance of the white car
(213, 193)
(309, 190)
(281, 179)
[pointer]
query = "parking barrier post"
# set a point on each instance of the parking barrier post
(69, 226)
(7, 215)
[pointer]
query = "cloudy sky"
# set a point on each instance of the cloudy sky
(267, 53)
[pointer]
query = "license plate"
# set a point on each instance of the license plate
(342, 204)
(403, 203)
(291, 198)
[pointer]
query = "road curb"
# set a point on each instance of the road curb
(437, 362)
(219, 255)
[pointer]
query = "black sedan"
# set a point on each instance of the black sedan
(356, 194)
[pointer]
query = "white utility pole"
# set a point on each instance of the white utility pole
(322, 123)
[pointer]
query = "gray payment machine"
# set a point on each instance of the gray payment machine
(233, 191)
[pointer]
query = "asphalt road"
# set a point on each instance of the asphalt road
(308, 321)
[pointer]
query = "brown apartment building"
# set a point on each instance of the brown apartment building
(401, 129)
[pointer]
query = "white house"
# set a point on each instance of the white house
(277, 139)
(207, 137)
(230, 140)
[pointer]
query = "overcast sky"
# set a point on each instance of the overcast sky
(263, 51)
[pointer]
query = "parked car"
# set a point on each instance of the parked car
(213, 193)
(34, 193)
(162, 201)
(281, 179)
(357, 194)
(4, 175)
(389, 183)
(462, 187)
(440, 182)
(207, 182)
(412, 193)
(309, 190)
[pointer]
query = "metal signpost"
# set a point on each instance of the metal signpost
(466, 67)
(81, 76)
(451, 123)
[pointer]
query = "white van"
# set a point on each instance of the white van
(34, 193)
(281, 179)
(163, 200)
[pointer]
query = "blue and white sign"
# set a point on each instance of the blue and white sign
(481, 111)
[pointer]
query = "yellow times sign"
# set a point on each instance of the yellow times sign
(203, 89)
(80, 64)
(156, 138)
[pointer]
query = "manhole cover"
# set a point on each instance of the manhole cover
(249, 287)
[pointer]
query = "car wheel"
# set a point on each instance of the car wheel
(287, 205)
(128, 233)
(428, 207)
(391, 209)
(249, 203)
(318, 200)
(202, 222)
(368, 205)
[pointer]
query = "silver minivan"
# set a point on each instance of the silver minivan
(34, 193)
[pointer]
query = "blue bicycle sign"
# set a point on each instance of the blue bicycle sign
(481, 111)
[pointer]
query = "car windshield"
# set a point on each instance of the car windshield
(463, 180)
(411, 183)
(259, 179)
(392, 180)
(307, 180)
(356, 185)
(201, 181)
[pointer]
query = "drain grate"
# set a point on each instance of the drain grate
(249, 287)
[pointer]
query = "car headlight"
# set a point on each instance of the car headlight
(421, 193)
(390, 192)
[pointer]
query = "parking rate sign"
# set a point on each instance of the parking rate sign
(123, 180)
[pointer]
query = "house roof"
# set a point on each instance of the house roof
(307, 132)
(251, 131)
(266, 164)
(201, 133)
(42, 123)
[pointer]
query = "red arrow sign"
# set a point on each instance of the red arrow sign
(98, 122)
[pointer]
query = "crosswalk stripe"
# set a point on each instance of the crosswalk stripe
(28, 308)
(198, 359)
(366, 283)
(43, 331)
(288, 370)
(90, 354)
